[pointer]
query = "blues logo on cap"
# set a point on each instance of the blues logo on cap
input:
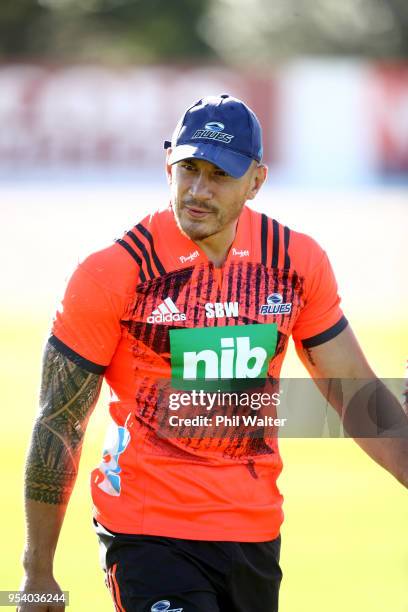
(219, 129)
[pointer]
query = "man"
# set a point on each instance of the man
(204, 291)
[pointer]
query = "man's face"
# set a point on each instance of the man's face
(206, 199)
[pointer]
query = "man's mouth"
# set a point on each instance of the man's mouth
(196, 212)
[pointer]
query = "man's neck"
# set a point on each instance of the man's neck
(216, 247)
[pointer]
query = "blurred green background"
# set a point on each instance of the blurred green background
(231, 31)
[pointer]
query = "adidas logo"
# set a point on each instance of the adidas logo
(166, 312)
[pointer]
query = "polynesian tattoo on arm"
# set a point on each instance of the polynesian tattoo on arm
(68, 395)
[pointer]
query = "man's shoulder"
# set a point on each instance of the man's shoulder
(304, 249)
(122, 264)
(287, 247)
(112, 268)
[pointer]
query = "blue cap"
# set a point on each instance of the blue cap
(221, 130)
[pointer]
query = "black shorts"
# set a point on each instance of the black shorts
(160, 574)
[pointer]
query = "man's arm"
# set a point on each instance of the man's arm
(68, 396)
(370, 412)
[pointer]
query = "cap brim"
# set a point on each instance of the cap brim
(231, 162)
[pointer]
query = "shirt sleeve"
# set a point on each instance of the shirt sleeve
(86, 327)
(321, 317)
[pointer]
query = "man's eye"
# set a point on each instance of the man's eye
(221, 173)
(187, 166)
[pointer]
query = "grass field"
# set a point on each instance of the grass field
(345, 534)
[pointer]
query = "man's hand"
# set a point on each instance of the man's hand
(41, 583)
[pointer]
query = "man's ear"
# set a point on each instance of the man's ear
(260, 172)
(168, 166)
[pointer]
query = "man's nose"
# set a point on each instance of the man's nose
(200, 188)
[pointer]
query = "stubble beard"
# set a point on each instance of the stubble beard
(196, 231)
(200, 229)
